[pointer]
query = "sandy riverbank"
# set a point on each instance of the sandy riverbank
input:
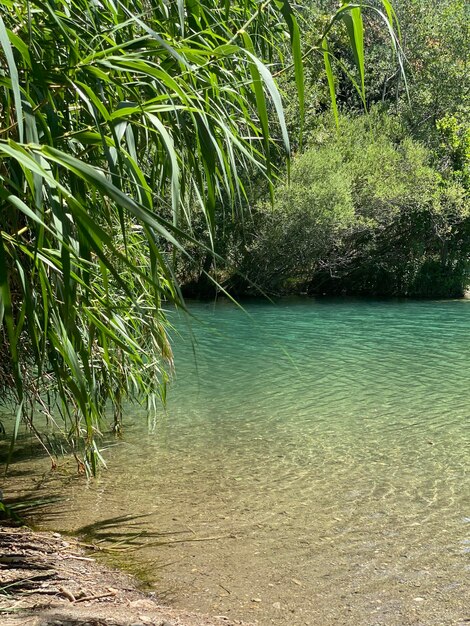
(50, 580)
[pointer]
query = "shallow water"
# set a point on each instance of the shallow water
(311, 467)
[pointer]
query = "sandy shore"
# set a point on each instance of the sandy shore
(49, 580)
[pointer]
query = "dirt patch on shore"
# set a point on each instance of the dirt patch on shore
(49, 580)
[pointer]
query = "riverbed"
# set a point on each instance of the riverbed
(311, 467)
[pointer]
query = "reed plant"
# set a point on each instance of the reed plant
(118, 120)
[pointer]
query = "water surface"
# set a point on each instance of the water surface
(311, 467)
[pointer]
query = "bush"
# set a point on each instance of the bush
(364, 213)
(289, 239)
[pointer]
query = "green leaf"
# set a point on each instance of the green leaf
(331, 81)
(294, 31)
(6, 315)
(175, 172)
(15, 81)
(355, 28)
(263, 72)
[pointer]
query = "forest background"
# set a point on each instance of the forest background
(377, 205)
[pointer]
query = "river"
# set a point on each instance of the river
(311, 467)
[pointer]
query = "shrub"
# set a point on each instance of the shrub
(365, 212)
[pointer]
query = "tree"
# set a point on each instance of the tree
(435, 42)
(364, 213)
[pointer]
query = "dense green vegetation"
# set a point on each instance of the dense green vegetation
(138, 145)
(380, 205)
(365, 213)
(119, 124)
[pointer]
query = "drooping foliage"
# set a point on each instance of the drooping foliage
(118, 121)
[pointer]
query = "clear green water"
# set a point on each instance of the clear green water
(320, 450)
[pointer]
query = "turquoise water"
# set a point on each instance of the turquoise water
(311, 467)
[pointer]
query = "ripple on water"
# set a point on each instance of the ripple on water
(321, 447)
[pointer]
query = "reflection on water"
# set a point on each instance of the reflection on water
(311, 467)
